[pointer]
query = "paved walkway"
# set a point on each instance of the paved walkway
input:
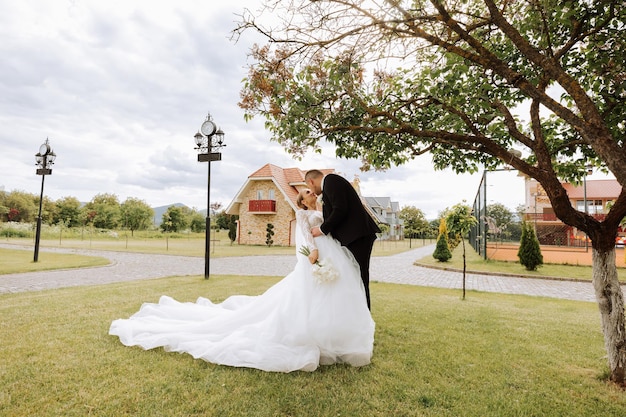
(398, 269)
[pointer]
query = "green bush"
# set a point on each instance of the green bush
(270, 232)
(442, 250)
(16, 229)
(232, 232)
(529, 252)
(11, 232)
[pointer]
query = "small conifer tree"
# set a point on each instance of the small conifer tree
(268, 236)
(442, 250)
(232, 232)
(529, 252)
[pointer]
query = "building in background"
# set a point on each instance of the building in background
(387, 212)
(592, 194)
(268, 196)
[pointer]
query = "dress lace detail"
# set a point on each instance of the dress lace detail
(306, 220)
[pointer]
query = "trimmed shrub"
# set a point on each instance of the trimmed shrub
(442, 250)
(529, 252)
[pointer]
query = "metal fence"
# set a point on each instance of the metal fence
(478, 232)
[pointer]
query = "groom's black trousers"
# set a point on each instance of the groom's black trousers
(362, 251)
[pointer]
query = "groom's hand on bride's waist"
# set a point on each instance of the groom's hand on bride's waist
(316, 231)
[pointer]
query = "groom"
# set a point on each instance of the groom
(345, 219)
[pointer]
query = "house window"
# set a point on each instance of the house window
(593, 206)
(259, 194)
(580, 205)
(271, 196)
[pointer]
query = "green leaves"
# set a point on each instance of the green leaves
(465, 77)
(459, 219)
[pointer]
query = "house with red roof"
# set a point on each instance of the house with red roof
(268, 196)
(591, 195)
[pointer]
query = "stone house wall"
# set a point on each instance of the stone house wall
(253, 227)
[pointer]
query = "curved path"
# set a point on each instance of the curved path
(397, 269)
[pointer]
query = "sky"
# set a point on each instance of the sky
(119, 88)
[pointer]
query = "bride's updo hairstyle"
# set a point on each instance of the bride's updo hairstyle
(299, 202)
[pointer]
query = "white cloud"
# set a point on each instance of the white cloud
(121, 87)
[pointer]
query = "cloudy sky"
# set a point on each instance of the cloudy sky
(121, 87)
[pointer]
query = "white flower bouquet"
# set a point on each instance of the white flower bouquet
(323, 271)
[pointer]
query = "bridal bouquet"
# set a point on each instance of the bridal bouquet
(323, 271)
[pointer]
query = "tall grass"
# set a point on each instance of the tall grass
(435, 355)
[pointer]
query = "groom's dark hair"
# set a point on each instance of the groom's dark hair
(313, 173)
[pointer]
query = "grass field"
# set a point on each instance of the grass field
(191, 245)
(435, 355)
(16, 261)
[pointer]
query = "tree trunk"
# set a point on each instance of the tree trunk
(611, 303)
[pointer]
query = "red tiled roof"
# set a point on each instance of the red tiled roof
(293, 175)
(600, 189)
(267, 170)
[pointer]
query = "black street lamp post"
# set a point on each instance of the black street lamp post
(215, 207)
(44, 160)
(208, 139)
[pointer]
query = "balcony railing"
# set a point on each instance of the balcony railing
(551, 217)
(262, 206)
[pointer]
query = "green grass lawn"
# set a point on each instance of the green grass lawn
(15, 261)
(435, 355)
(194, 245)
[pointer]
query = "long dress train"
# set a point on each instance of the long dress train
(297, 324)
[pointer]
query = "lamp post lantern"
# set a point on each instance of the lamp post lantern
(44, 160)
(209, 139)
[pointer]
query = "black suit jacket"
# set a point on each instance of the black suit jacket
(345, 217)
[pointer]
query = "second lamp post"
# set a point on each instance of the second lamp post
(44, 160)
(209, 139)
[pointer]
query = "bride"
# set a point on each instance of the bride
(311, 317)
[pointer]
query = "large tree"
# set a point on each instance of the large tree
(415, 223)
(475, 83)
(502, 219)
(67, 211)
(136, 214)
(20, 206)
(175, 219)
(104, 209)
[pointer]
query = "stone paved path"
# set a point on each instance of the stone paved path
(397, 269)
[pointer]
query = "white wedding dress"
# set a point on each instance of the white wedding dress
(297, 324)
